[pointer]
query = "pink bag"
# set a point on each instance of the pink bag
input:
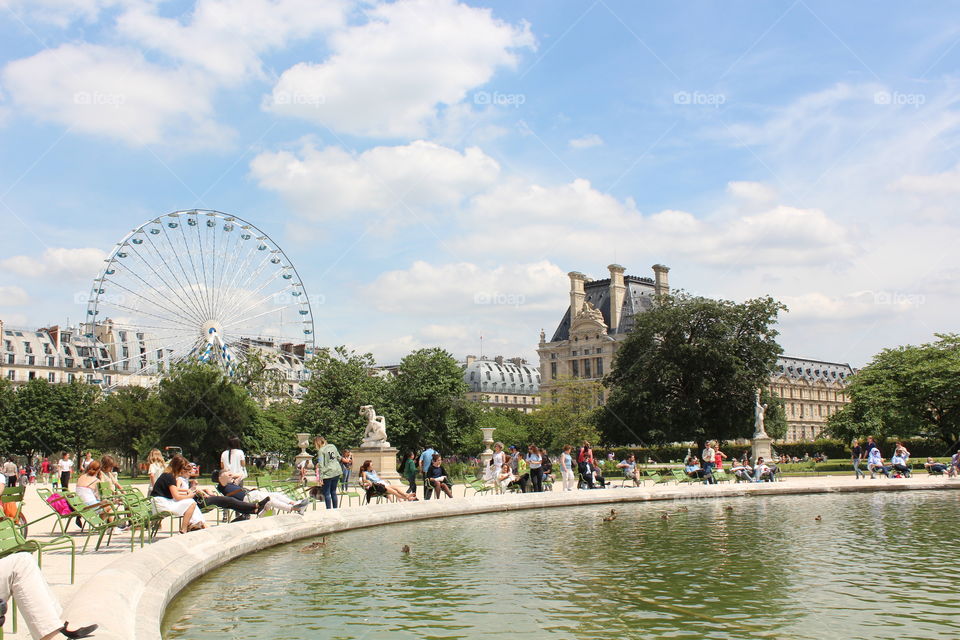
(59, 504)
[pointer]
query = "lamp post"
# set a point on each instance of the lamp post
(487, 454)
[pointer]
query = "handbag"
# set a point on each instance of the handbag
(10, 509)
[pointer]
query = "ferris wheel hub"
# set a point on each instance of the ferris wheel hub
(211, 329)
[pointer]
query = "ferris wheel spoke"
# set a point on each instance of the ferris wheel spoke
(228, 291)
(235, 310)
(193, 268)
(259, 315)
(240, 298)
(154, 289)
(227, 255)
(153, 315)
(151, 301)
(187, 290)
(179, 289)
(203, 260)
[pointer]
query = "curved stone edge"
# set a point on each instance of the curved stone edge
(128, 597)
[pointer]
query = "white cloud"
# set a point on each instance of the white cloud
(390, 75)
(465, 287)
(58, 263)
(819, 306)
(13, 296)
(937, 184)
(329, 182)
(587, 141)
(226, 37)
(61, 13)
(751, 191)
(113, 92)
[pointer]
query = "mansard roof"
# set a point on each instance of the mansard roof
(637, 298)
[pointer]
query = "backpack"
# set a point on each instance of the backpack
(59, 504)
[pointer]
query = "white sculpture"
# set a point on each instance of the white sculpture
(759, 411)
(375, 435)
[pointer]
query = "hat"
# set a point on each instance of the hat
(512, 447)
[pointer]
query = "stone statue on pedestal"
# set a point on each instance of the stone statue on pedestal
(759, 411)
(375, 435)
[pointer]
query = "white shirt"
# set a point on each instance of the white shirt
(65, 465)
(231, 460)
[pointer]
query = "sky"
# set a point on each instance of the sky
(433, 168)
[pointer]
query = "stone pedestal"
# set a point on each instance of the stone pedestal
(762, 448)
(303, 440)
(384, 462)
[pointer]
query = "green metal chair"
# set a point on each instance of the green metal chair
(58, 518)
(94, 522)
(12, 542)
(682, 478)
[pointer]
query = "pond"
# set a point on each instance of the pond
(876, 565)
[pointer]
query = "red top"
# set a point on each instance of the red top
(718, 459)
(45, 466)
(586, 455)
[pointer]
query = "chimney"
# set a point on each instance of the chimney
(661, 280)
(617, 292)
(471, 360)
(498, 359)
(576, 293)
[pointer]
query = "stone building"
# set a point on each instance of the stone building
(812, 391)
(600, 315)
(506, 384)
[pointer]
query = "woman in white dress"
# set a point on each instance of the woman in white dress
(157, 465)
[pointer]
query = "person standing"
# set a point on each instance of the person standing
(346, 465)
(45, 470)
(156, 466)
(10, 471)
(65, 468)
(423, 466)
(566, 468)
(856, 455)
(87, 459)
(328, 470)
(535, 462)
(409, 472)
(719, 457)
(233, 460)
(709, 455)
(499, 457)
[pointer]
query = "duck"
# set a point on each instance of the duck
(683, 509)
(664, 516)
(405, 548)
(728, 508)
(610, 518)
(819, 518)
(313, 546)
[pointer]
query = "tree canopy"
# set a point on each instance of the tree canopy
(905, 391)
(689, 369)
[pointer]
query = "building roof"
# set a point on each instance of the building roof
(805, 369)
(637, 298)
(501, 376)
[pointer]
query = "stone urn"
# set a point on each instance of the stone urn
(303, 441)
(487, 453)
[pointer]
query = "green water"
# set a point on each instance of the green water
(875, 566)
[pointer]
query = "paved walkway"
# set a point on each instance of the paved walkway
(56, 565)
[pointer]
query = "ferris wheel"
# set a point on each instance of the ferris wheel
(195, 284)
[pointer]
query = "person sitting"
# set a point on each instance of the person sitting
(438, 478)
(374, 486)
(279, 501)
(935, 468)
(20, 578)
(875, 463)
(762, 472)
(631, 471)
(504, 478)
(169, 496)
(228, 486)
(741, 471)
(691, 467)
(954, 465)
(899, 464)
(546, 464)
(207, 498)
(88, 487)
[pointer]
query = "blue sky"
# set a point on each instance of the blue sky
(435, 168)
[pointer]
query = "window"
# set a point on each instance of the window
(68, 363)
(27, 348)
(575, 368)
(46, 348)
(11, 375)
(51, 377)
(31, 360)
(553, 370)
(32, 375)
(496, 398)
(8, 345)
(488, 375)
(107, 380)
(70, 377)
(574, 352)
(11, 358)
(599, 362)
(51, 362)
(90, 378)
(586, 368)
(553, 356)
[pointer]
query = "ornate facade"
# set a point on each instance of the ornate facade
(812, 391)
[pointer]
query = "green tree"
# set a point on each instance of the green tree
(689, 369)
(201, 409)
(906, 391)
(340, 383)
(75, 407)
(35, 420)
(260, 374)
(568, 416)
(275, 430)
(127, 422)
(427, 403)
(8, 400)
(511, 427)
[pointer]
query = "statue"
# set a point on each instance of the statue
(591, 312)
(759, 410)
(375, 435)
